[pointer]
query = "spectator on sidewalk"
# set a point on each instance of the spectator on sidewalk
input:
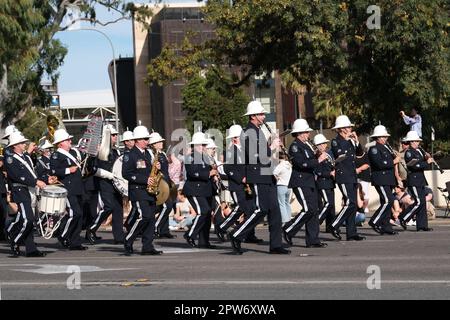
(184, 214)
(414, 121)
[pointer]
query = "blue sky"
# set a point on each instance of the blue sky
(89, 52)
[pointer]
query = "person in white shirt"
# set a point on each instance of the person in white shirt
(283, 173)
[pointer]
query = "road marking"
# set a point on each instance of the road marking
(183, 282)
(61, 269)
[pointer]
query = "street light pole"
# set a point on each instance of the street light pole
(114, 71)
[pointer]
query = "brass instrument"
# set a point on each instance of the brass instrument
(330, 159)
(283, 149)
(159, 188)
(313, 147)
(52, 125)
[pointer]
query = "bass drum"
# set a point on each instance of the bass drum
(119, 182)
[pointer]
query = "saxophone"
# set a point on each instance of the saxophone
(157, 175)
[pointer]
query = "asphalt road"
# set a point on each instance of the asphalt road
(411, 265)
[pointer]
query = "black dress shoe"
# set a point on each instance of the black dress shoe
(221, 235)
(190, 241)
(328, 229)
(90, 236)
(356, 238)
(253, 240)
(287, 238)
(317, 245)
(335, 233)
(280, 251)
(167, 235)
(236, 244)
(15, 250)
(36, 254)
(425, 229)
(375, 227)
(128, 249)
(78, 248)
(207, 246)
(64, 242)
(403, 224)
(391, 233)
(118, 242)
(152, 252)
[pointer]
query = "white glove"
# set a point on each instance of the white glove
(101, 173)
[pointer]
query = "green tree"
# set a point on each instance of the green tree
(213, 101)
(327, 46)
(33, 123)
(28, 51)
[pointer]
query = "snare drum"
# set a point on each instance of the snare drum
(53, 200)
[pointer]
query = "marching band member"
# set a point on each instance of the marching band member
(302, 181)
(8, 130)
(417, 160)
(3, 199)
(218, 186)
(258, 174)
(136, 168)
(128, 141)
(382, 163)
(7, 151)
(109, 196)
(344, 148)
(43, 162)
(325, 173)
(91, 186)
(199, 190)
(67, 168)
(22, 179)
(234, 168)
(162, 223)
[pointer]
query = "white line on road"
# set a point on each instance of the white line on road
(221, 282)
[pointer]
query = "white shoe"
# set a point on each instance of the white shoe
(411, 223)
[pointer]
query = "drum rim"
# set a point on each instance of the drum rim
(54, 192)
(52, 195)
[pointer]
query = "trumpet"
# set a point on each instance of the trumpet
(330, 159)
(314, 147)
(318, 153)
(283, 149)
